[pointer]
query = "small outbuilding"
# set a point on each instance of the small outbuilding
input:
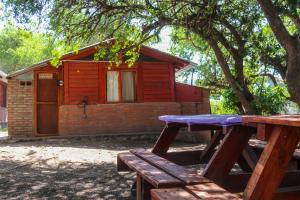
(87, 97)
(3, 89)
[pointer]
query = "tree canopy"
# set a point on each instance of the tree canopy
(20, 48)
(249, 49)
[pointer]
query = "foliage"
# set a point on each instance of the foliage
(238, 52)
(20, 48)
(272, 101)
(225, 103)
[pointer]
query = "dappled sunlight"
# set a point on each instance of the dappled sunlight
(75, 168)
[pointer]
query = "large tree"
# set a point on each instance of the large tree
(279, 15)
(20, 48)
(228, 28)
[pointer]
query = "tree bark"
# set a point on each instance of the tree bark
(293, 74)
(239, 90)
(291, 45)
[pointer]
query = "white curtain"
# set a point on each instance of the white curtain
(113, 86)
(128, 93)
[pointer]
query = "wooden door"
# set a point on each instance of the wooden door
(46, 103)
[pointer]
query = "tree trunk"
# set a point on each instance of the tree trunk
(290, 43)
(293, 73)
(243, 94)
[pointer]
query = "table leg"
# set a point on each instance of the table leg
(166, 138)
(228, 153)
(210, 148)
(248, 159)
(272, 163)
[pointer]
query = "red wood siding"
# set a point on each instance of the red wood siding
(157, 82)
(188, 93)
(154, 81)
(2, 95)
(81, 80)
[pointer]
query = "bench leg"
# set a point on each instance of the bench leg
(272, 163)
(139, 187)
(228, 153)
(146, 190)
(248, 159)
(142, 189)
(210, 148)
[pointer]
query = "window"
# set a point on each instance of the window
(25, 83)
(112, 86)
(120, 86)
(128, 86)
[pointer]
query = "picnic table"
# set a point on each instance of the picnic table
(261, 179)
(151, 168)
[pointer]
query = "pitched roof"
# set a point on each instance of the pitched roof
(179, 63)
(3, 76)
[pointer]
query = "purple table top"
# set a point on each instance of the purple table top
(219, 120)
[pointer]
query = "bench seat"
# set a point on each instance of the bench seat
(200, 191)
(187, 176)
(171, 194)
(156, 177)
(171, 181)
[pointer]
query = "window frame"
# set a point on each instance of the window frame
(120, 100)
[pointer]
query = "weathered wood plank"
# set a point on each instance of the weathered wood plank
(157, 178)
(121, 165)
(212, 191)
(273, 163)
(188, 176)
(288, 120)
(171, 194)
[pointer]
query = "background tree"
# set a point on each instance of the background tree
(232, 33)
(20, 48)
(284, 20)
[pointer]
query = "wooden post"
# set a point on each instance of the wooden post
(139, 187)
(273, 163)
(210, 148)
(228, 153)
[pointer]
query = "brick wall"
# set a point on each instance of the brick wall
(20, 109)
(121, 118)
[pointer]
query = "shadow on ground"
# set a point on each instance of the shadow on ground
(82, 168)
(68, 181)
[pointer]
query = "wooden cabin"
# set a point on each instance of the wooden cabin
(87, 97)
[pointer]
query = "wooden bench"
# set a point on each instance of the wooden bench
(200, 191)
(187, 176)
(161, 173)
(156, 177)
(294, 164)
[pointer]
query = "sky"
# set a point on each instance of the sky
(165, 42)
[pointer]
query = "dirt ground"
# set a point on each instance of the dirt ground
(77, 168)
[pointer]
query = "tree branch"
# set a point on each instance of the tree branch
(277, 26)
(271, 76)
